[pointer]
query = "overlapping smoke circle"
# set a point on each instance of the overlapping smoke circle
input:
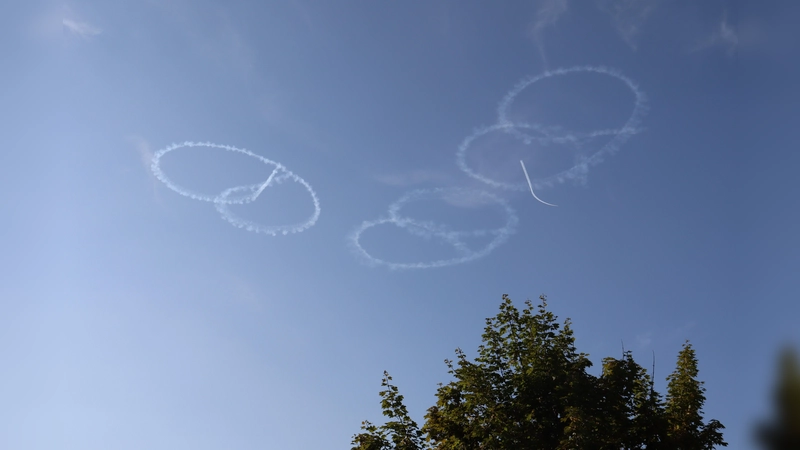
(427, 229)
(549, 135)
(240, 194)
(527, 133)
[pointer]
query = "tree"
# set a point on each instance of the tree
(529, 388)
(523, 390)
(685, 399)
(632, 412)
(400, 433)
(784, 432)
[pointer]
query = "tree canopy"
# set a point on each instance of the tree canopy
(529, 388)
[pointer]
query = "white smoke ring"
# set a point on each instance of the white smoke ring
(440, 193)
(579, 170)
(639, 103)
(536, 183)
(156, 168)
(547, 138)
(221, 201)
(430, 230)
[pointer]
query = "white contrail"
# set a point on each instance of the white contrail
(529, 185)
(224, 199)
(266, 183)
(430, 230)
(529, 133)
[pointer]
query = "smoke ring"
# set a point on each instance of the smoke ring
(581, 167)
(222, 200)
(428, 230)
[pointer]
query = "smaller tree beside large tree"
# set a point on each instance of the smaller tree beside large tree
(685, 399)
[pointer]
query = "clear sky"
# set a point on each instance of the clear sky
(135, 317)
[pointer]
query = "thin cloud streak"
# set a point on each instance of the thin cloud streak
(644, 340)
(546, 15)
(413, 178)
(82, 29)
(146, 158)
(628, 17)
(724, 36)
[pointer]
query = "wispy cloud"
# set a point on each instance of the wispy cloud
(82, 29)
(682, 332)
(628, 17)
(54, 23)
(644, 340)
(212, 31)
(146, 154)
(724, 36)
(144, 151)
(546, 15)
(468, 199)
(413, 178)
(244, 294)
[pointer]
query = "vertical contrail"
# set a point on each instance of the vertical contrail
(531, 186)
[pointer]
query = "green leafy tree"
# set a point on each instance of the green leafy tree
(399, 433)
(522, 391)
(631, 412)
(685, 400)
(528, 388)
(784, 432)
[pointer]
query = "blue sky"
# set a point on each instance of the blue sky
(134, 317)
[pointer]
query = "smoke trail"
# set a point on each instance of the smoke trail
(529, 185)
(225, 198)
(547, 15)
(266, 183)
(621, 135)
(430, 230)
(529, 133)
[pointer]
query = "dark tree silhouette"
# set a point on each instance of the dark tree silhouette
(783, 433)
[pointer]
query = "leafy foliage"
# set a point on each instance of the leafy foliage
(685, 399)
(399, 433)
(529, 388)
(631, 411)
